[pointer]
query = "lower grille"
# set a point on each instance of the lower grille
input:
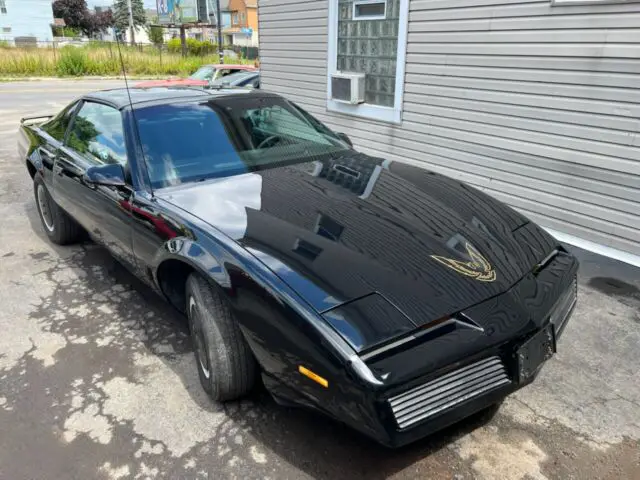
(448, 391)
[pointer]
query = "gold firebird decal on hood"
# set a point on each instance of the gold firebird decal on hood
(478, 268)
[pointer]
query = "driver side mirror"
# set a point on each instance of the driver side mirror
(111, 174)
(345, 138)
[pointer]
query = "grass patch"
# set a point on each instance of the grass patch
(97, 59)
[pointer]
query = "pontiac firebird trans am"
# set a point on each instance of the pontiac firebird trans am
(388, 297)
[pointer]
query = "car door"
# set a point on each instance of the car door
(95, 137)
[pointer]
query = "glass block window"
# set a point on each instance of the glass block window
(370, 47)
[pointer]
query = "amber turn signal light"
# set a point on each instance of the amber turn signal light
(316, 378)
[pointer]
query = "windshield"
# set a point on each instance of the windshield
(186, 142)
(203, 73)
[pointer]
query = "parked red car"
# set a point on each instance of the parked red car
(201, 78)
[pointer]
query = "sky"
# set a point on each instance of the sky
(94, 3)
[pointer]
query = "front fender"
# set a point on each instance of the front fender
(197, 257)
(282, 330)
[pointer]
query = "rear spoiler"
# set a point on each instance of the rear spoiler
(33, 119)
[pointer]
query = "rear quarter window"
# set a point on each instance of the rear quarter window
(57, 127)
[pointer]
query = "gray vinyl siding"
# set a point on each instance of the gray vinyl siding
(539, 106)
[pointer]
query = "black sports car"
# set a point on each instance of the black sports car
(389, 297)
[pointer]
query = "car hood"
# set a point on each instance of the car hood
(176, 82)
(343, 229)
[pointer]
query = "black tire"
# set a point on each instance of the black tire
(225, 363)
(57, 224)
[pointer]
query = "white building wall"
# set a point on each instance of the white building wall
(27, 18)
(537, 105)
(244, 40)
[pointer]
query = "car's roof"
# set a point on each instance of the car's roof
(119, 97)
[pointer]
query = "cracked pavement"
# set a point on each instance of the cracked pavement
(98, 379)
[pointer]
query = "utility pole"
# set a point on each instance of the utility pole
(183, 40)
(131, 27)
(219, 24)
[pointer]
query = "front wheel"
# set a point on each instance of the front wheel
(225, 363)
(58, 225)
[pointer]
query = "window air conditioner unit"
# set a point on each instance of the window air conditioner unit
(347, 87)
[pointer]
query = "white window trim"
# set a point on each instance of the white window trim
(365, 110)
(369, 2)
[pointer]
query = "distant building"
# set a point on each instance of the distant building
(244, 23)
(211, 33)
(26, 20)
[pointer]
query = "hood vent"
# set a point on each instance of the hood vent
(443, 393)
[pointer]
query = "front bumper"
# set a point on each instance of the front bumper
(488, 381)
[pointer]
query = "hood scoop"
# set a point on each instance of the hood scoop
(372, 325)
(368, 321)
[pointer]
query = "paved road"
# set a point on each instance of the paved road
(97, 378)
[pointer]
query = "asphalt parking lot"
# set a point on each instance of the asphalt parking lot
(98, 380)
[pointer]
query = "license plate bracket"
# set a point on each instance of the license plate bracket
(534, 352)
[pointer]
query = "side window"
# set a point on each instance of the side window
(97, 133)
(224, 72)
(209, 74)
(57, 127)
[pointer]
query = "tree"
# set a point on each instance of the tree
(104, 20)
(98, 22)
(74, 12)
(77, 16)
(121, 14)
(156, 35)
(83, 134)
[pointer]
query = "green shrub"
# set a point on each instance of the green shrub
(173, 45)
(194, 47)
(156, 35)
(73, 61)
(71, 32)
